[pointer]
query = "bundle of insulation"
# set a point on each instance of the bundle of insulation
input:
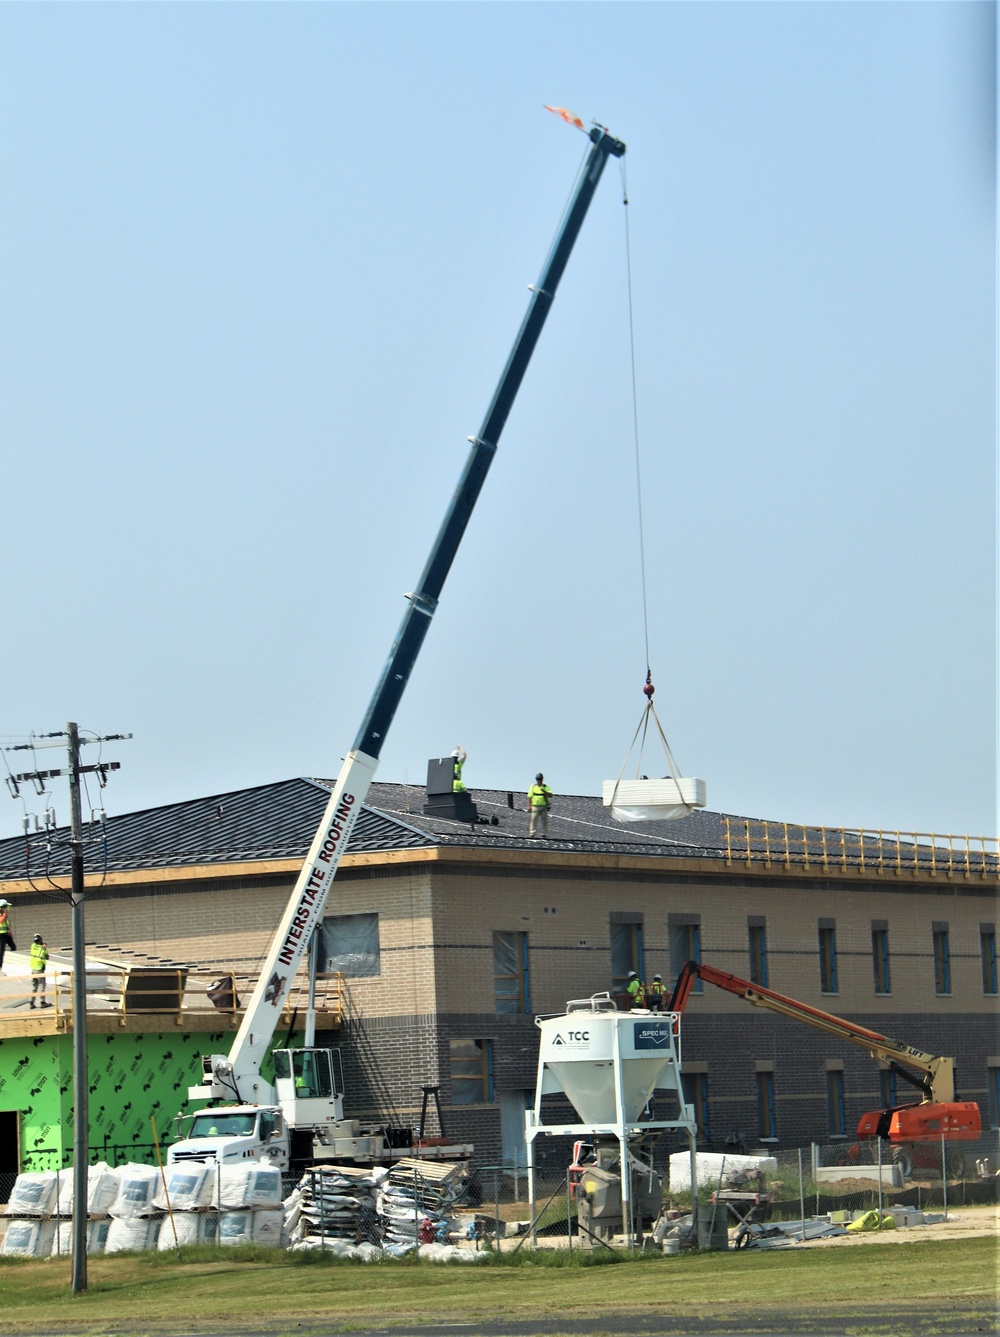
(248, 1185)
(97, 1237)
(417, 1199)
(33, 1194)
(137, 1185)
(334, 1203)
(102, 1189)
(185, 1187)
(132, 1233)
(29, 1238)
(179, 1228)
(260, 1226)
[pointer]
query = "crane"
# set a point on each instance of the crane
(937, 1114)
(237, 1075)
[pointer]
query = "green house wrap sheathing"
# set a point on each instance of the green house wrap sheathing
(132, 1078)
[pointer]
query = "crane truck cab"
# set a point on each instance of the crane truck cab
(309, 1084)
(233, 1135)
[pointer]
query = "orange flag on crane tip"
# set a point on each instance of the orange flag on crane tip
(565, 115)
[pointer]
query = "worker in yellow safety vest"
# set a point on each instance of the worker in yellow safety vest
(539, 803)
(656, 994)
(7, 942)
(634, 989)
(458, 756)
(38, 958)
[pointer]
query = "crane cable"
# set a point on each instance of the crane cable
(648, 688)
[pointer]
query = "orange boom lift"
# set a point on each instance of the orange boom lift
(937, 1114)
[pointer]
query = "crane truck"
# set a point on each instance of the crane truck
(303, 1110)
(935, 1116)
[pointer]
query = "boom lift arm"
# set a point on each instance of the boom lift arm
(239, 1075)
(932, 1074)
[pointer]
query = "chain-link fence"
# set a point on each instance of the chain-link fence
(734, 1196)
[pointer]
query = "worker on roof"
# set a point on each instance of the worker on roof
(6, 935)
(458, 755)
(38, 957)
(656, 994)
(539, 803)
(634, 989)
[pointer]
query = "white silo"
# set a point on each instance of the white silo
(608, 1064)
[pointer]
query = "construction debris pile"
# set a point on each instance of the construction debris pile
(411, 1206)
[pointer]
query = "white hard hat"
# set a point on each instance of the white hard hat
(4, 902)
(632, 975)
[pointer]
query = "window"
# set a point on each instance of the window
(942, 960)
(835, 1102)
(695, 1086)
(626, 949)
(758, 951)
(510, 973)
(988, 950)
(471, 1072)
(827, 956)
(350, 944)
(880, 956)
(765, 1106)
(887, 1086)
(310, 1069)
(685, 944)
(994, 1076)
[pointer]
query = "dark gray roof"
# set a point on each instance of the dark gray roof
(278, 821)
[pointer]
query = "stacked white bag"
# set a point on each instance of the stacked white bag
(33, 1199)
(249, 1201)
(187, 1191)
(97, 1237)
(134, 1223)
(29, 1239)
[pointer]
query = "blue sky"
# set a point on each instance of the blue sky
(262, 267)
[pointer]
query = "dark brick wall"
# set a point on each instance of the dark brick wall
(387, 1061)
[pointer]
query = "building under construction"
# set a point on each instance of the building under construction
(444, 938)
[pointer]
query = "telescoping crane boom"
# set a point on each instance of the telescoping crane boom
(937, 1114)
(237, 1076)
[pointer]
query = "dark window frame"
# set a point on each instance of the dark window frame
(767, 1126)
(827, 931)
(880, 959)
(836, 1106)
(942, 960)
(520, 996)
(757, 949)
(988, 955)
(471, 1072)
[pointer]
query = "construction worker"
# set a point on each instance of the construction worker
(39, 956)
(636, 993)
(458, 755)
(656, 994)
(6, 936)
(539, 803)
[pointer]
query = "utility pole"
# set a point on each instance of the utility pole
(81, 1078)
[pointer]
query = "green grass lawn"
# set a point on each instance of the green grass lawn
(248, 1289)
